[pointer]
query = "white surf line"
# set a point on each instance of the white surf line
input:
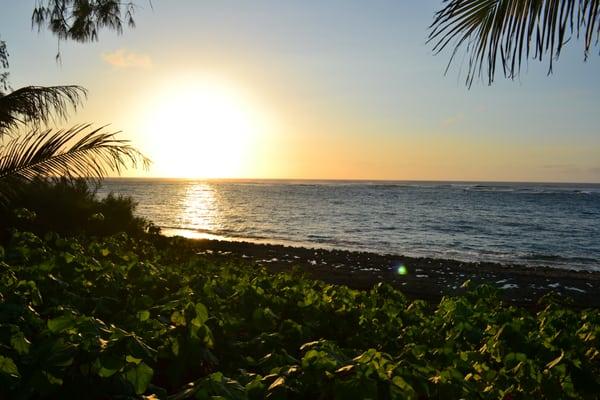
(574, 289)
(509, 286)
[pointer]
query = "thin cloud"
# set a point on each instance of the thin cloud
(123, 58)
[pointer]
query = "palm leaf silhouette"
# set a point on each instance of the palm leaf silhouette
(80, 152)
(38, 105)
(508, 32)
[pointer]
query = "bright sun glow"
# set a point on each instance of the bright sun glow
(202, 130)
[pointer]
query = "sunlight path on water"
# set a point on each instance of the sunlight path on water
(200, 209)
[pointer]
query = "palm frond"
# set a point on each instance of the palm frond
(78, 152)
(38, 105)
(508, 32)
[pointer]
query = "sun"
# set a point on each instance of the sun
(205, 129)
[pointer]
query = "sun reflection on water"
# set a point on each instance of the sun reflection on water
(199, 211)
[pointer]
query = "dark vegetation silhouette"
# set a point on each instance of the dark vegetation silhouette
(38, 105)
(69, 208)
(82, 20)
(30, 151)
(492, 34)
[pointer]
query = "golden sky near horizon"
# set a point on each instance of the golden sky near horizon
(212, 126)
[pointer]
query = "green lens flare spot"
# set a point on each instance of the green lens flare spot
(402, 270)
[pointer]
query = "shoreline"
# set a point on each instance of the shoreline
(204, 235)
(426, 278)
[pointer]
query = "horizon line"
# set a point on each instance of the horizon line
(349, 180)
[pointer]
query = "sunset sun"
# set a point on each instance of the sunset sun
(202, 130)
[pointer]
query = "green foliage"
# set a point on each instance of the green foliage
(124, 317)
(65, 206)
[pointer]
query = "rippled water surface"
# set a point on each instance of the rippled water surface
(537, 224)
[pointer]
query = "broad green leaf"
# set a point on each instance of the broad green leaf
(203, 333)
(140, 377)
(109, 365)
(107, 372)
(132, 359)
(68, 257)
(53, 380)
(20, 343)
(61, 323)
(8, 367)
(175, 346)
(178, 318)
(402, 384)
(201, 314)
(216, 377)
(143, 315)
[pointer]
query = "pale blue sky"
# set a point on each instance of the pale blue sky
(343, 71)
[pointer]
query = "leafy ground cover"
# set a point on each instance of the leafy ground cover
(124, 318)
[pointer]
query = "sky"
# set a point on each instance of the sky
(330, 89)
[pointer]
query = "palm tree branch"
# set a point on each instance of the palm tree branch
(511, 31)
(60, 153)
(38, 105)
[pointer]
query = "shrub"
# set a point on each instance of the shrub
(69, 208)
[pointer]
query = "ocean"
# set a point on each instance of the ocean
(555, 225)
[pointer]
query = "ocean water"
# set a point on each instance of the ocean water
(534, 224)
